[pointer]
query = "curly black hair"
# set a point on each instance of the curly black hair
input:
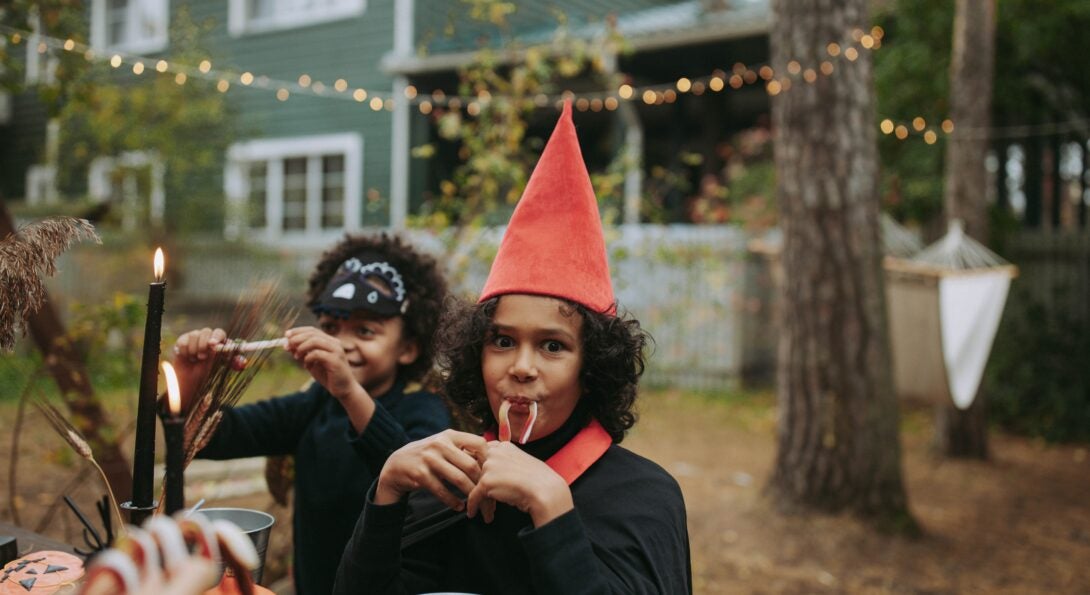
(613, 361)
(425, 286)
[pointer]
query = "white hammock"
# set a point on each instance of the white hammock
(945, 304)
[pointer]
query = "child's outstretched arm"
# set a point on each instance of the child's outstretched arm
(324, 358)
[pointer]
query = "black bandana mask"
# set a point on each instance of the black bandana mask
(363, 283)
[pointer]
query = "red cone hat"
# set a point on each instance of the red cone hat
(554, 245)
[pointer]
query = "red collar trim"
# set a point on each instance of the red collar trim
(579, 453)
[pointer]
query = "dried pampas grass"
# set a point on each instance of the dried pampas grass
(71, 435)
(27, 255)
(260, 313)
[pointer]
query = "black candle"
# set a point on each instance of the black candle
(174, 433)
(143, 464)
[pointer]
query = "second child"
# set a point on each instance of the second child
(378, 303)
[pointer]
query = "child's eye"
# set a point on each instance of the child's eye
(365, 331)
(554, 346)
(503, 341)
(329, 328)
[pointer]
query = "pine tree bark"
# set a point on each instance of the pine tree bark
(67, 369)
(838, 442)
(958, 433)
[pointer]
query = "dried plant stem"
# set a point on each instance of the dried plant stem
(113, 500)
(79, 444)
(13, 463)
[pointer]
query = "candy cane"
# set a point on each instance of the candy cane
(505, 424)
(529, 424)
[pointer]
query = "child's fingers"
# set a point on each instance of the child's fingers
(432, 483)
(316, 342)
(471, 443)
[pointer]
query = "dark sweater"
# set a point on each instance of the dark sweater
(334, 466)
(627, 534)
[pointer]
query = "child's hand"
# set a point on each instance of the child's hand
(193, 354)
(324, 358)
(449, 457)
(511, 476)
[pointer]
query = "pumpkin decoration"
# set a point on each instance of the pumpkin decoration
(40, 573)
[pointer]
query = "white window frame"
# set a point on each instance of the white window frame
(41, 184)
(289, 14)
(41, 67)
(159, 10)
(100, 186)
(273, 151)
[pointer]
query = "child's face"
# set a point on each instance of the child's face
(374, 347)
(535, 354)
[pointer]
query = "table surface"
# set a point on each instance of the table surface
(29, 541)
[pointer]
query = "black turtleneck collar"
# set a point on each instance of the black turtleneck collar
(545, 447)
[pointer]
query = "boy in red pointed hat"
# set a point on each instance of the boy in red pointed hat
(542, 358)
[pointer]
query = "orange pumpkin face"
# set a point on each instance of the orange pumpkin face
(40, 573)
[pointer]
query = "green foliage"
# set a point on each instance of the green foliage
(1037, 382)
(187, 127)
(1036, 80)
(911, 78)
(63, 19)
(743, 191)
(495, 152)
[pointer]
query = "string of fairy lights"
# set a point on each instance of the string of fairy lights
(740, 75)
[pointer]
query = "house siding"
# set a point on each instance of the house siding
(23, 143)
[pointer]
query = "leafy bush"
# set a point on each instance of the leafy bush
(1038, 381)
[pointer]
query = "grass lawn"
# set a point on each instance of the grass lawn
(1017, 524)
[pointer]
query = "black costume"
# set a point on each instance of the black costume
(627, 534)
(334, 466)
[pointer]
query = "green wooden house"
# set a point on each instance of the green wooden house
(325, 158)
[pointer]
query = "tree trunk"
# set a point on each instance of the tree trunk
(67, 369)
(838, 443)
(965, 433)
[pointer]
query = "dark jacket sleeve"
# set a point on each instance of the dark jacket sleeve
(266, 428)
(418, 415)
(637, 542)
(372, 561)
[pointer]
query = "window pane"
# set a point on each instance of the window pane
(259, 9)
(116, 15)
(258, 197)
(333, 191)
(295, 193)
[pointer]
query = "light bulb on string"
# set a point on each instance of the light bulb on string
(162, 66)
(359, 95)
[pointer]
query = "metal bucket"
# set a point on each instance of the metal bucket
(254, 523)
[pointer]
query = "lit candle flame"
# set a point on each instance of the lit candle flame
(159, 265)
(174, 397)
